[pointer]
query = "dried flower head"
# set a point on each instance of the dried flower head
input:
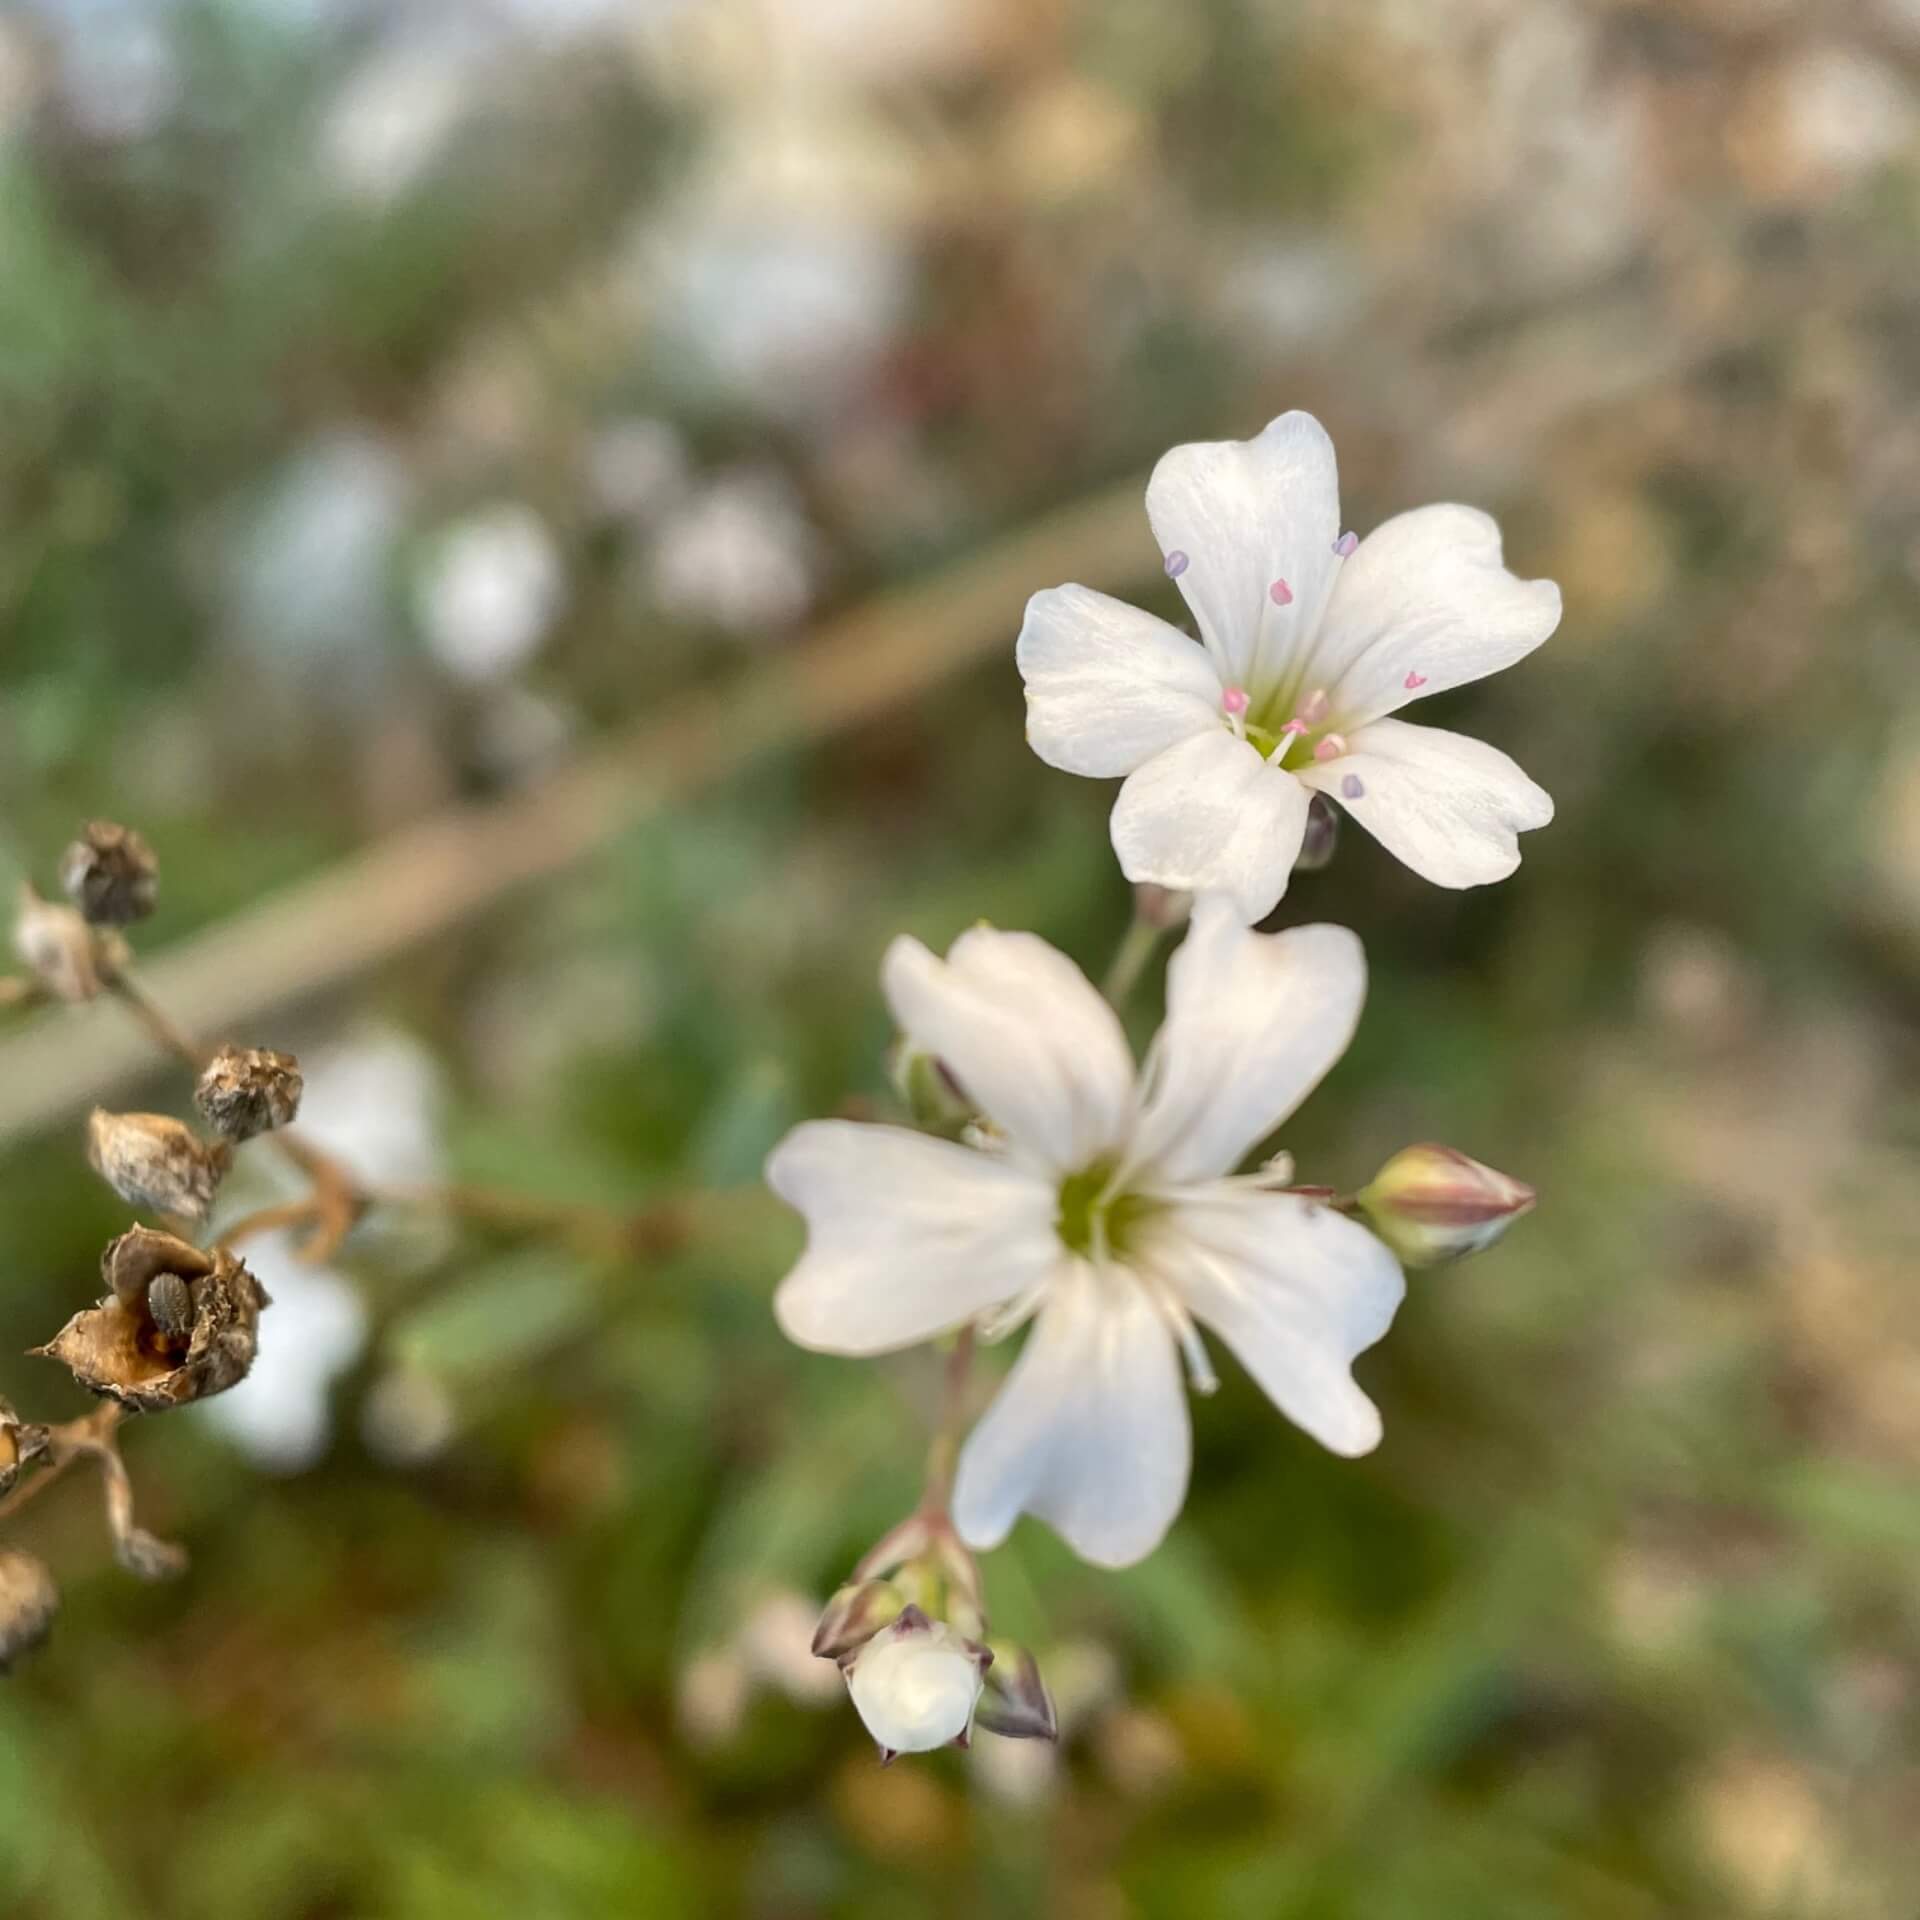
(249, 1090)
(69, 959)
(191, 1331)
(28, 1602)
(110, 874)
(152, 1160)
(141, 1255)
(19, 1443)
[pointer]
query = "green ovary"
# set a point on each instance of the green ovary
(1090, 1224)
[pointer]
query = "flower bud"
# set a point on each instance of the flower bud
(249, 1090)
(1014, 1701)
(68, 958)
(28, 1601)
(110, 874)
(19, 1443)
(153, 1161)
(186, 1335)
(854, 1615)
(1322, 836)
(915, 1685)
(932, 1096)
(1431, 1204)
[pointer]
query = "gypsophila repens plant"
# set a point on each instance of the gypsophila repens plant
(1040, 1178)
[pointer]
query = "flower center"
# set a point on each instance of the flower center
(1093, 1220)
(1287, 727)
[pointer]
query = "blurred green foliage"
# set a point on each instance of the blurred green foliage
(1621, 1620)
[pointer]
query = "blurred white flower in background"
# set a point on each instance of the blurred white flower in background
(488, 590)
(394, 115)
(784, 312)
(636, 467)
(737, 553)
(118, 71)
(772, 1650)
(306, 574)
(374, 1102)
(1310, 639)
(1102, 1204)
(315, 1330)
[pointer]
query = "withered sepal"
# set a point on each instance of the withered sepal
(118, 1349)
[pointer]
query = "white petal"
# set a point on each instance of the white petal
(1425, 604)
(915, 1687)
(1107, 685)
(1447, 805)
(1254, 1020)
(1210, 816)
(1018, 1026)
(1090, 1431)
(906, 1236)
(1296, 1291)
(1245, 514)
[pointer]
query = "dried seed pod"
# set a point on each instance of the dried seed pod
(151, 1160)
(249, 1090)
(70, 960)
(119, 1349)
(131, 1263)
(170, 1307)
(19, 1443)
(110, 874)
(28, 1602)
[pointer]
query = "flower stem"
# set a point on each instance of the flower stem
(943, 1455)
(1130, 959)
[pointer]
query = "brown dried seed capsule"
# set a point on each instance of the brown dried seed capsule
(249, 1090)
(28, 1602)
(119, 1349)
(110, 874)
(69, 959)
(151, 1160)
(132, 1263)
(19, 1443)
(170, 1306)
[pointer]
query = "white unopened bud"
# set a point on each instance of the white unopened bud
(1433, 1204)
(915, 1684)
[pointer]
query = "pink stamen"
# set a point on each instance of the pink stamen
(1315, 707)
(1295, 726)
(1331, 748)
(1345, 545)
(1235, 701)
(1414, 680)
(1281, 594)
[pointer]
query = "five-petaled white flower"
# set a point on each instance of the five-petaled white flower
(1309, 639)
(1101, 1204)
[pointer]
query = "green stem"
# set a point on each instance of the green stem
(1130, 959)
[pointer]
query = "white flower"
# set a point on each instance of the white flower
(489, 591)
(1309, 639)
(916, 1683)
(281, 1412)
(1102, 1207)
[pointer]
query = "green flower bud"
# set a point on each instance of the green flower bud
(1431, 1205)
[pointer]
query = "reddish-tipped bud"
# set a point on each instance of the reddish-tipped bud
(1014, 1702)
(1432, 1204)
(854, 1615)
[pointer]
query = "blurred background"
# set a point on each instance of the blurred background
(647, 420)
